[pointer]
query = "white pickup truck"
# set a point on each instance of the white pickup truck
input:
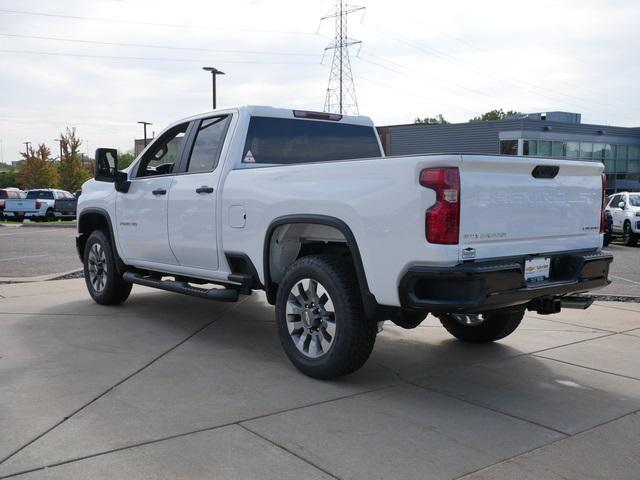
(38, 205)
(306, 207)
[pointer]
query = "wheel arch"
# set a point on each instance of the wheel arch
(92, 219)
(371, 305)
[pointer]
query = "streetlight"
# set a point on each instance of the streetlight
(214, 71)
(59, 145)
(26, 144)
(144, 124)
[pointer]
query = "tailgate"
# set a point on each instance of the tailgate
(507, 211)
(20, 206)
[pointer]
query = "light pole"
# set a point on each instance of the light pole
(144, 124)
(26, 144)
(214, 71)
(59, 146)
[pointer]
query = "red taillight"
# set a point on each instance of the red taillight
(602, 216)
(442, 221)
(2, 203)
(38, 204)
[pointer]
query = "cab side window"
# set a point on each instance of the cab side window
(208, 144)
(163, 156)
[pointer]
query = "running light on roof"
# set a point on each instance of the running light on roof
(317, 115)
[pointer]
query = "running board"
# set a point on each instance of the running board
(219, 294)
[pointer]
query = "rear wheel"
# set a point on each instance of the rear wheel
(104, 283)
(49, 216)
(629, 238)
(320, 318)
(481, 327)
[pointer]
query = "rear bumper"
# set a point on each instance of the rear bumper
(479, 286)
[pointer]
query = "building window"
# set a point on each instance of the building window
(544, 148)
(559, 149)
(586, 150)
(508, 147)
(573, 149)
(530, 147)
(598, 151)
(621, 158)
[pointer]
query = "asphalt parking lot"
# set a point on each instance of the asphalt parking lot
(171, 387)
(36, 251)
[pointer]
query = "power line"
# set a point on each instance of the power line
(154, 24)
(422, 80)
(182, 60)
(517, 83)
(168, 47)
(414, 95)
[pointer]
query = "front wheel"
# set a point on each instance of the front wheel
(320, 317)
(481, 327)
(629, 238)
(104, 283)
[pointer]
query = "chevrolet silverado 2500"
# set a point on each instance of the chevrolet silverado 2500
(306, 207)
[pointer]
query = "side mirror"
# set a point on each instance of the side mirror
(621, 205)
(106, 164)
(122, 182)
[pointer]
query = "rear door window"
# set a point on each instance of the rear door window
(3, 195)
(208, 145)
(287, 141)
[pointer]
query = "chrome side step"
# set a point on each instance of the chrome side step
(219, 294)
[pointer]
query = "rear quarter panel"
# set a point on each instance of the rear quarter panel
(380, 200)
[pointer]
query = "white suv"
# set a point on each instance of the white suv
(625, 213)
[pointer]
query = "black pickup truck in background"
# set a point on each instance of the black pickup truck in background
(65, 208)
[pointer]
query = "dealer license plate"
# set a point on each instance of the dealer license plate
(536, 269)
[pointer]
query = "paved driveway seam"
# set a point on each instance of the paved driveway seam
(528, 452)
(184, 434)
(128, 377)
(282, 447)
(590, 368)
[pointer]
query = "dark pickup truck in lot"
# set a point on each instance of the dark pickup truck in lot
(65, 208)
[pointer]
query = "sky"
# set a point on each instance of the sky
(103, 65)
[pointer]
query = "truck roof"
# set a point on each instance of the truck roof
(278, 112)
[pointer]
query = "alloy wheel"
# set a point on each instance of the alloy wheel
(311, 318)
(97, 267)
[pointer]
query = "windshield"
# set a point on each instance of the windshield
(44, 194)
(634, 200)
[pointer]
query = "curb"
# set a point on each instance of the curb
(49, 225)
(41, 278)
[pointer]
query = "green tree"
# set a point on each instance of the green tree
(125, 159)
(73, 173)
(37, 170)
(439, 120)
(9, 178)
(494, 115)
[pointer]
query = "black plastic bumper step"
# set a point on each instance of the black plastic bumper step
(219, 294)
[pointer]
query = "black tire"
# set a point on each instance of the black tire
(408, 319)
(114, 290)
(496, 325)
(629, 238)
(353, 334)
(49, 216)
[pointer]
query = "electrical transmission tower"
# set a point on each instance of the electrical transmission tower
(341, 92)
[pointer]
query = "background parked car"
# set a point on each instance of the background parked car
(38, 205)
(65, 207)
(9, 193)
(608, 234)
(625, 213)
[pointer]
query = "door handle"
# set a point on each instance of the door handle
(159, 191)
(204, 189)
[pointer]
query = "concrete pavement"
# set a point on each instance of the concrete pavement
(167, 386)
